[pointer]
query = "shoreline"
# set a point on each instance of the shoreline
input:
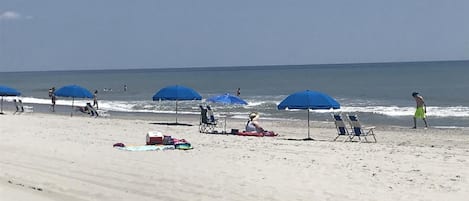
(65, 111)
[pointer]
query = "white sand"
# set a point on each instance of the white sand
(72, 158)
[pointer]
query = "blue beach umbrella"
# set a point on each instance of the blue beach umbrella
(7, 91)
(176, 93)
(73, 91)
(308, 100)
(227, 99)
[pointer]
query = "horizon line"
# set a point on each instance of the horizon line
(227, 67)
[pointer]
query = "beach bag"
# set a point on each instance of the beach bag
(167, 140)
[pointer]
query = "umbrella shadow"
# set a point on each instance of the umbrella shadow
(171, 124)
(304, 139)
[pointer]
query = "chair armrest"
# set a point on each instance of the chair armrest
(370, 129)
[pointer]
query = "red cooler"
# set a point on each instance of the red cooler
(154, 137)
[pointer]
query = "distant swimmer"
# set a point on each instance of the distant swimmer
(125, 87)
(238, 92)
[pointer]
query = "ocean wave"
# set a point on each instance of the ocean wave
(268, 108)
(395, 111)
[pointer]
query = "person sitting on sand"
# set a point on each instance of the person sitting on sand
(88, 109)
(83, 109)
(253, 125)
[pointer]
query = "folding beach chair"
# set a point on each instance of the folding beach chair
(206, 125)
(103, 113)
(341, 128)
(359, 131)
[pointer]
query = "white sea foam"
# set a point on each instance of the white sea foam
(452, 111)
(239, 111)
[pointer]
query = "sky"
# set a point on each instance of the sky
(125, 34)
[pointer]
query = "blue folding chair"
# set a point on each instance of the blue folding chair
(206, 125)
(341, 128)
(358, 130)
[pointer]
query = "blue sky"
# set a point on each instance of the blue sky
(123, 34)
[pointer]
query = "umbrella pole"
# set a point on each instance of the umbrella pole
(308, 125)
(1, 112)
(176, 111)
(308, 138)
(71, 113)
(224, 126)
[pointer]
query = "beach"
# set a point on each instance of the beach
(57, 157)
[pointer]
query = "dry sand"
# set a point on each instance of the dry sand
(54, 157)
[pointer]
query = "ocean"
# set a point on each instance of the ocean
(380, 93)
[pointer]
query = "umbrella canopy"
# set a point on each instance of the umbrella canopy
(176, 93)
(309, 100)
(7, 91)
(73, 91)
(227, 99)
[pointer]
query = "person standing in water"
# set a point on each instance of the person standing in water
(421, 109)
(95, 98)
(238, 92)
(52, 98)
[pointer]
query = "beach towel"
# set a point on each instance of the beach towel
(146, 148)
(264, 134)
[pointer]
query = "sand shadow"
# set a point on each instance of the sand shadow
(172, 124)
(304, 139)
